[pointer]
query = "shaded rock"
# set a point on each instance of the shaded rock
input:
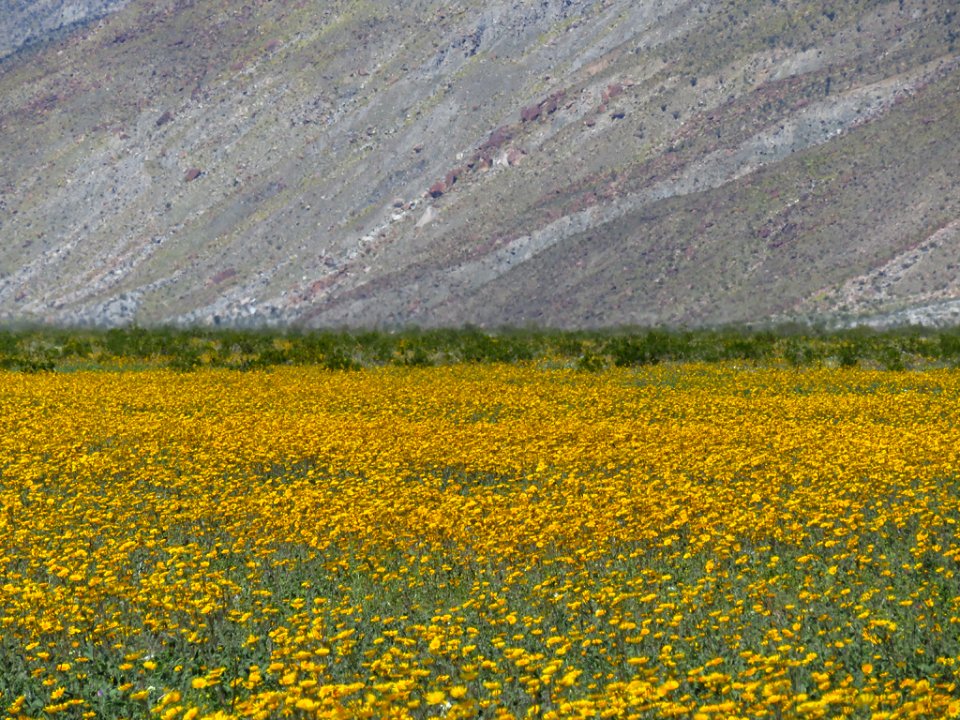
(550, 105)
(612, 91)
(547, 106)
(530, 113)
(165, 118)
(225, 274)
(498, 138)
(192, 174)
(453, 176)
(437, 189)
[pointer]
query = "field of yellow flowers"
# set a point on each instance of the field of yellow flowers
(691, 541)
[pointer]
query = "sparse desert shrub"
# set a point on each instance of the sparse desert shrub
(185, 349)
(948, 347)
(848, 354)
(648, 349)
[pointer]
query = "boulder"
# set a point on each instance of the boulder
(192, 174)
(427, 218)
(612, 90)
(549, 106)
(437, 189)
(498, 138)
(219, 277)
(530, 113)
(453, 176)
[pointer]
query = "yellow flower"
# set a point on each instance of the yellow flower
(169, 698)
(435, 698)
(570, 678)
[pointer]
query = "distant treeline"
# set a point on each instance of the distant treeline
(33, 350)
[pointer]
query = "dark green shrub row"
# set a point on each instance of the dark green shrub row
(41, 349)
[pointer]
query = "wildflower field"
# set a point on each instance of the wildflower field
(689, 540)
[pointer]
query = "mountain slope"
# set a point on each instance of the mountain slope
(554, 162)
(23, 22)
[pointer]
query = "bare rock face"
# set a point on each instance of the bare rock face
(603, 162)
(23, 22)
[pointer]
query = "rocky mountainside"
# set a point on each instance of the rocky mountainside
(28, 21)
(550, 162)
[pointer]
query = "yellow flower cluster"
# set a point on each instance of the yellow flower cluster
(480, 541)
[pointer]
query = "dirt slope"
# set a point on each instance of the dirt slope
(553, 162)
(23, 22)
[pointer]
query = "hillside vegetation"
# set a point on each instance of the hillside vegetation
(39, 350)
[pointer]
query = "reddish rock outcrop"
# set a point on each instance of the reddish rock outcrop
(547, 106)
(550, 105)
(453, 176)
(225, 274)
(498, 138)
(612, 91)
(530, 113)
(192, 174)
(484, 155)
(437, 189)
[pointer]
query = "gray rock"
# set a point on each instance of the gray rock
(24, 22)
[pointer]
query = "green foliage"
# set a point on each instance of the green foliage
(651, 348)
(588, 362)
(948, 346)
(44, 349)
(847, 355)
